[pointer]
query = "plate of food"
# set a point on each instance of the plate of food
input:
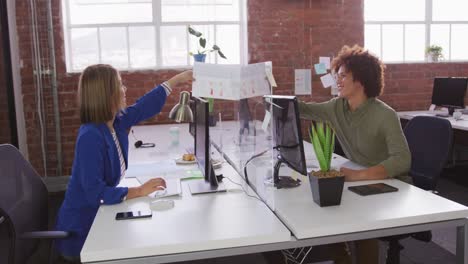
(186, 159)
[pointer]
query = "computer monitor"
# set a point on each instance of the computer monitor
(287, 138)
(202, 151)
(449, 92)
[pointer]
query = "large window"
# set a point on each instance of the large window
(149, 34)
(400, 30)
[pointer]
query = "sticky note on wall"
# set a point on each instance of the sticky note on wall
(326, 61)
(327, 80)
(320, 68)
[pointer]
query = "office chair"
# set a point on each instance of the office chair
(430, 140)
(23, 208)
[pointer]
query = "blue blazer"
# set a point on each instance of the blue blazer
(96, 171)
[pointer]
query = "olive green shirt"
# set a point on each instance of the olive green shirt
(371, 135)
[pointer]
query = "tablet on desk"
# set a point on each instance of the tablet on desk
(374, 188)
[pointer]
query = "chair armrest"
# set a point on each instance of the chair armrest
(45, 234)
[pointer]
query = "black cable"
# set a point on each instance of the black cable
(140, 144)
(247, 162)
(244, 190)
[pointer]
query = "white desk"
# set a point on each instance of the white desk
(457, 124)
(406, 211)
(200, 226)
(409, 210)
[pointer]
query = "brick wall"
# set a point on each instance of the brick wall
(409, 86)
(290, 33)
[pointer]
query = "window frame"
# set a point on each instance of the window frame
(157, 24)
(428, 22)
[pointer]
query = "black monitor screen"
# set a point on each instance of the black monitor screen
(449, 92)
(202, 135)
(202, 141)
(287, 131)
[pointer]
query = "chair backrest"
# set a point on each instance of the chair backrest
(23, 204)
(430, 142)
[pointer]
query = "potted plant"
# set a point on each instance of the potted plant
(434, 53)
(200, 56)
(326, 184)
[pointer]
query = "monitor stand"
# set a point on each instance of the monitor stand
(283, 181)
(202, 186)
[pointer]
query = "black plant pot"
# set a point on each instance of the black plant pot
(326, 191)
(212, 120)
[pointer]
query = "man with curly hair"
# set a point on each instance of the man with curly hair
(368, 130)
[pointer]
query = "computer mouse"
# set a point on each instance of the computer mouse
(161, 205)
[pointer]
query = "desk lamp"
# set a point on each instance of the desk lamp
(181, 112)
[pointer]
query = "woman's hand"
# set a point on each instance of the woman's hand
(152, 185)
(183, 77)
(148, 187)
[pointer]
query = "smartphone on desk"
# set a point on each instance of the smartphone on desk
(374, 188)
(133, 214)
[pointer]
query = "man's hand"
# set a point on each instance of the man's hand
(350, 174)
(377, 172)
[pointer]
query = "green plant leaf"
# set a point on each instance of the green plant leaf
(321, 133)
(318, 150)
(194, 32)
(221, 54)
(202, 42)
(332, 147)
(327, 146)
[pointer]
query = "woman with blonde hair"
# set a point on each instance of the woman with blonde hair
(101, 150)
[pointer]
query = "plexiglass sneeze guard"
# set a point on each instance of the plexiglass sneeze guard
(240, 133)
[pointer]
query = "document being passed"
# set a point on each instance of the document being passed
(231, 82)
